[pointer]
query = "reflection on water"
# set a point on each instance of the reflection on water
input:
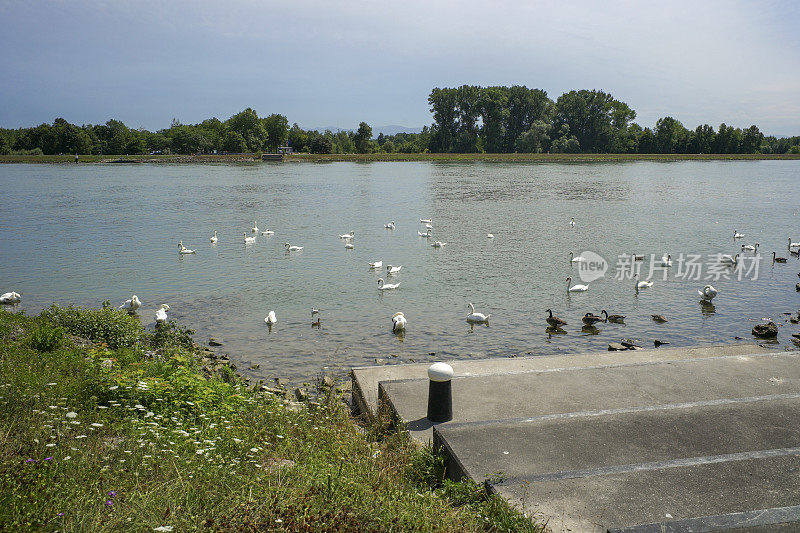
(83, 234)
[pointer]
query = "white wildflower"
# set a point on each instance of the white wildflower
(72, 414)
(113, 387)
(97, 425)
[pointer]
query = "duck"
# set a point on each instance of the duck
(161, 314)
(348, 235)
(642, 284)
(476, 317)
(576, 259)
(254, 229)
(214, 238)
(438, 244)
(131, 305)
(666, 261)
(425, 221)
(248, 240)
(737, 235)
(271, 319)
(348, 245)
(612, 318)
(427, 234)
(376, 264)
(572, 222)
(392, 269)
(708, 293)
(490, 235)
(576, 288)
(751, 248)
(776, 259)
(398, 322)
(658, 318)
(390, 225)
(10, 298)
(793, 244)
(590, 319)
(184, 250)
(554, 321)
(267, 232)
(292, 248)
(725, 259)
(386, 286)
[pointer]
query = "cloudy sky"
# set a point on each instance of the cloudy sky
(325, 63)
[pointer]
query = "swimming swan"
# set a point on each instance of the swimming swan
(392, 269)
(425, 221)
(386, 286)
(348, 235)
(737, 235)
(291, 248)
(271, 318)
(376, 264)
(12, 297)
(427, 234)
(398, 322)
(184, 250)
(728, 260)
(666, 261)
(572, 222)
(707, 293)
(161, 314)
(576, 288)
(476, 317)
(348, 245)
(248, 240)
(390, 225)
(752, 248)
(438, 244)
(267, 232)
(214, 238)
(576, 259)
(793, 244)
(642, 284)
(254, 229)
(131, 305)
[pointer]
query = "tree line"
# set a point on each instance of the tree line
(466, 119)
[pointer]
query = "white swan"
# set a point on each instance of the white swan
(708, 293)
(254, 229)
(438, 244)
(348, 245)
(398, 322)
(348, 235)
(392, 269)
(793, 244)
(737, 235)
(576, 259)
(184, 250)
(131, 305)
(376, 264)
(390, 225)
(490, 235)
(572, 222)
(425, 221)
(428, 226)
(292, 248)
(642, 284)
(161, 314)
(248, 240)
(267, 232)
(214, 238)
(666, 261)
(752, 248)
(576, 288)
(271, 318)
(386, 286)
(476, 317)
(725, 259)
(12, 297)
(427, 234)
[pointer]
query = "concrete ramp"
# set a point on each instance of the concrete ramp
(649, 440)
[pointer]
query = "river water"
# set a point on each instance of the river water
(86, 233)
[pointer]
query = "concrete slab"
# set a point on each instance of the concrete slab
(365, 379)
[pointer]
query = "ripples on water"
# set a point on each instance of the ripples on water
(83, 234)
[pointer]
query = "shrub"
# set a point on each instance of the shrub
(45, 337)
(171, 335)
(112, 326)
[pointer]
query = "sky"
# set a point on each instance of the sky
(328, 63)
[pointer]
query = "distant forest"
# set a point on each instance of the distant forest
(466, 119)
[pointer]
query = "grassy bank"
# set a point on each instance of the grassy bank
(529, 158)
(106, 426)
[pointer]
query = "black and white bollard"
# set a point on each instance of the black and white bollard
(440, 396)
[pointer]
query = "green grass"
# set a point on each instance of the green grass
(134, 437)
